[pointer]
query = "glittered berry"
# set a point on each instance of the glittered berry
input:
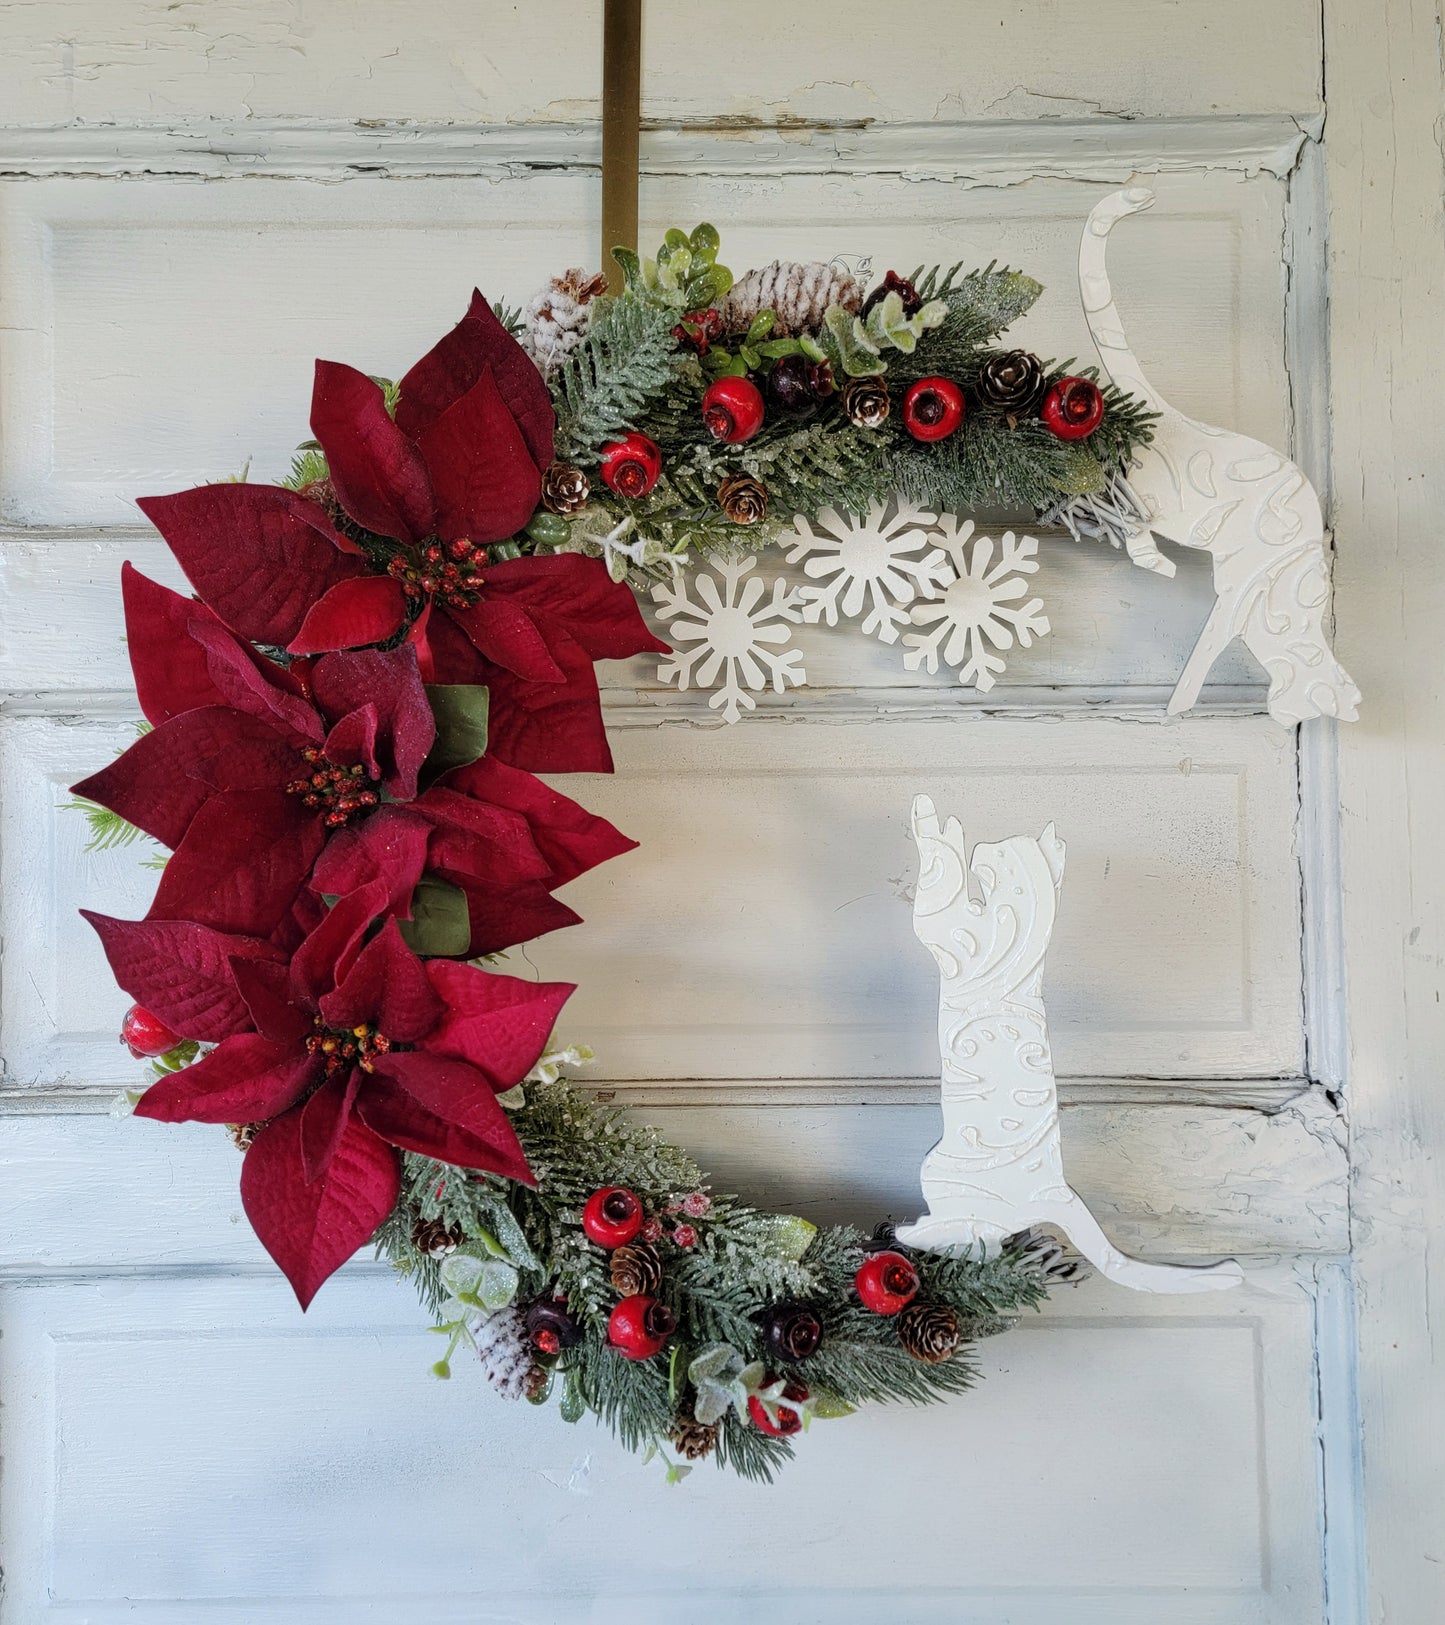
(933, 409)
(631, 466)
(789, 1421)
(639, 1326)
(790, 388)
(791, 1332)
(144, 1034)
(886, 1282)
(732, 408)
(685, 1235)
(550, 1329)
(612, 1216)
(1073, 408)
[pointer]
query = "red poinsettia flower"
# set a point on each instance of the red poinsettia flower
(251, 765)
(458, 469)
(501, 837)
(346, 1054)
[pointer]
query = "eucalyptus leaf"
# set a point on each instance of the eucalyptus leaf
(461, 1274)
(513, 1238)
(573, 1407)
(497, 1285)
(704, 242)
(826, 1405)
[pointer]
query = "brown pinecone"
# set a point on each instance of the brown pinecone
(435, 1237)
(1049, 1259)
(929, 1331)
(565, 489)
(243, 1134)
(636, 1268)
(797, 295)
(693, 1440)
(865, 400)
(1012, 381)
(743, 499)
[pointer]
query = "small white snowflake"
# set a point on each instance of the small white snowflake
(978, 608)
(874, 559)
(735, 633)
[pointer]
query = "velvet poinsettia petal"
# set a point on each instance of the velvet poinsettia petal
(577, 592)
(258, 555)
(395, 1113)
(266, 988)
(323, 1122)
(570, 838)
(326, 956)
(352, 742)
(389, 680)
(258, 686)
(312, 1229)
(170, 669)
(451, 367)
(487, 486)
(245, 1079)
(368, 609)
(242, 862)
(386, 988)
(484, 842)
(502, 916)
(549, 727)
(389, 847)
(375, 470)
(163, 780)
(506, 634)
(499, 1024)
(300, 920)
(181, 972)
(454, 658)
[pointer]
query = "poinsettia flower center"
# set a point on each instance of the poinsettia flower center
(343, 792)
(342, 1050)
(450, 572)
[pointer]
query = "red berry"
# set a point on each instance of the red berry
(732, 408)
(1073, 408)
(631, 466)
(612, 1216)
(788, 1422)
(886, 1282)
(144, 1034)
(639, 1326)
(933, 409)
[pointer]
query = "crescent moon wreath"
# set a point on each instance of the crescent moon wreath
(343, 730)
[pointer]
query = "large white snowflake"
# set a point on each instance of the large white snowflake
(885, 559)
(977, 614)
(736, 632)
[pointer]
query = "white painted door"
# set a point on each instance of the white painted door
(196, 201)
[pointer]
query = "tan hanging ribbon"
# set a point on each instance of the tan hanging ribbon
(621, 121)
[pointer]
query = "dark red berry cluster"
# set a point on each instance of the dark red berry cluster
(342, 791)
(452, 574)
(356, 1047)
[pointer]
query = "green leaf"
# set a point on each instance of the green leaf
(440, 926)
(544, 1393)
(790, 1238)
(513, 1238)
(775, 349)
(704, 243)
(497, 1286)
(828, 1405)
(573, 1407)
(762, 325)
(550, 528)
(632, 272)
(461, 711)
(461, 1274)
(751, 359)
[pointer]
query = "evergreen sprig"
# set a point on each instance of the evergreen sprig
(742, 1261)
(606, 385)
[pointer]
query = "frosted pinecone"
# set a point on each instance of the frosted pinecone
(799, 294)
(1049, 1259)
(505, 1353)
(558, 316)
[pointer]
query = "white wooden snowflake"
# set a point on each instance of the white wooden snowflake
(736, 632)
(886, 559)
(977, 614)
